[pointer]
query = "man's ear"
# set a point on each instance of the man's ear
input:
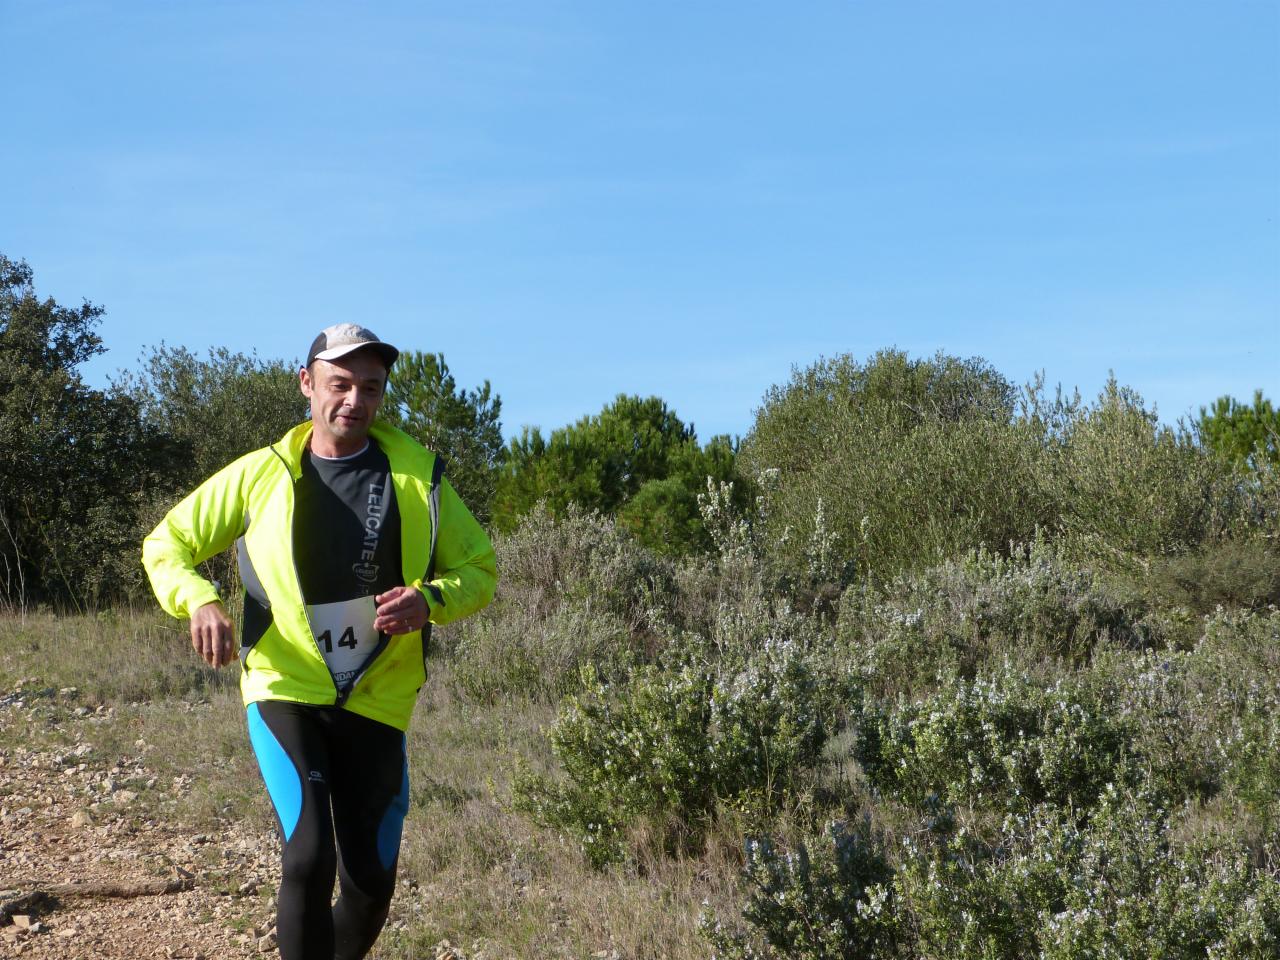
(304, 382)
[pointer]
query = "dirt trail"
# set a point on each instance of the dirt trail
(71, 817)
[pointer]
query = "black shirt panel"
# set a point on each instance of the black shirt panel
(346, 527)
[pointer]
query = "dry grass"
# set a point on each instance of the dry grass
(472, 870)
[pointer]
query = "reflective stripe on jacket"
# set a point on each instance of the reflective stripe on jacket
(253, 498)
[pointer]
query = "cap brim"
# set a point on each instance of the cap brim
(386, 351)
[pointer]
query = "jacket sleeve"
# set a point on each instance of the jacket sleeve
(466, 569)
(204, 524)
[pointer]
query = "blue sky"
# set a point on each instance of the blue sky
(574, 200)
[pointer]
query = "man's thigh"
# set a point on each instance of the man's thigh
(292, 746)
(370, 788)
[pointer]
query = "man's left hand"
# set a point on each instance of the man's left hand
(400, 610)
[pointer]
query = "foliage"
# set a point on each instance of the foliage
(1127, 487)
(971, 613)
(75, 463)
(912, 461)
(424, 399)
(217, 408)
(1060, 886)
(1234, 572)
(575, 590)
(1243, 434)
(670, 744)
(830, 898)
(1004, 742)
(635, 456)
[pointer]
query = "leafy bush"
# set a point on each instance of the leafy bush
(1061, 886)
(670, 744)
(1252, 748)
(963, 615)
(1235, 572)
(1199, 720)
(1006, 743)
(828, 899)
(573, 591)
(1134, 894)
(1127, 487)
(913, 461)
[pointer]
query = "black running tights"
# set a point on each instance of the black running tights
(332, 775)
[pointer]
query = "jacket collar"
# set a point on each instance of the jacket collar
(291, 447)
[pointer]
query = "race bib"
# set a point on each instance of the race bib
(345, 635)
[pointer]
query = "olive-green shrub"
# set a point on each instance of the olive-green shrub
(1030, 606)
(672, 744)
(1004, 742)
(829, 897)
(909, 461)
(572, 591)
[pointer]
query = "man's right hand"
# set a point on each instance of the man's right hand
(211, 634)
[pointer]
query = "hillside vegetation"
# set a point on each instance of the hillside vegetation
(927, 666)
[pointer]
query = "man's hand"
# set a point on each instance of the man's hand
(400, 610)
(211, 634)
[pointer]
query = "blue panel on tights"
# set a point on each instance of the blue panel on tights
(283, 783)
(393, 822)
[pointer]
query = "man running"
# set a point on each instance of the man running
(351, 544)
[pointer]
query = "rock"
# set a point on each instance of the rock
(267, 944)
(81, 819)
(22, 921)
(125, 796)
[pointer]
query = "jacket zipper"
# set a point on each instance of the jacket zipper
(338, 698)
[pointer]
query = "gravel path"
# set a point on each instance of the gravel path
(70, 817)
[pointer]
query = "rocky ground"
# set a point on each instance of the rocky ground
(100, 837)
(70, 817)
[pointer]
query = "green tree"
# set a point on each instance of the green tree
(1245, 435)
(636, 459)
(424, 400)
(1127, 486)
(76, 464)
(215, 409)
(878, 467)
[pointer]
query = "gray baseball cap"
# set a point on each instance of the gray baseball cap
(343, 338)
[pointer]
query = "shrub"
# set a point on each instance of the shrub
(670, 744)
(1199, 721)
(1127, 487)
(963, 615)
(572, 591)
(1062, 886)
(830, 898)
(1134, 894)
(1236, 572)
(913, 460)
(1006, 743)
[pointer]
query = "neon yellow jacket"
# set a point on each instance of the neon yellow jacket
(254, 498)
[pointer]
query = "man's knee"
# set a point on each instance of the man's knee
(369, 890)
(310, 863)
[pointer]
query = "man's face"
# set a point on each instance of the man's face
(345, 394)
